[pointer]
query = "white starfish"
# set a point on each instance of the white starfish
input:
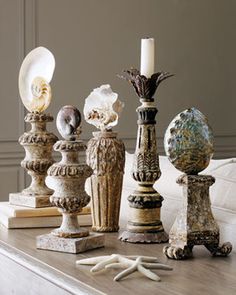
(131, 263)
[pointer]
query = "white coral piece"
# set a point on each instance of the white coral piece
(102, 108)
(131, 264)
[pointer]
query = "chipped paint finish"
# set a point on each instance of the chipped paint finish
(38, 145)
(68, 182)
(195, 223)
(144, 225)
(189, 146)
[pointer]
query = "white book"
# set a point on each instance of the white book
(20, 211)
(46, 221)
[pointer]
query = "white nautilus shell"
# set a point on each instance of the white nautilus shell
(102, 108)
(34, 77)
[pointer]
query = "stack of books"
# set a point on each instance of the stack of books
(12, 216)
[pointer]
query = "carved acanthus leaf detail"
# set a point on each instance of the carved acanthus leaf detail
(106, 155)
(37, 138)
(146, 167)
(70, 204)
(145, 201)
(38, 117)
(39, 166)
(147, 161)
(65, 145)
(70, 170)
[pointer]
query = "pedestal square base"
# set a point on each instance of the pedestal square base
(33, 201)
(68, 245)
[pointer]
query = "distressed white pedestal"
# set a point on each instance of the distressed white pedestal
(70, 245)
(36, 201)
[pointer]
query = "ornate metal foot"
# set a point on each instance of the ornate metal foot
(217, 250)
(178, 253)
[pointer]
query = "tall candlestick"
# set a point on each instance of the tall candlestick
(147, 57)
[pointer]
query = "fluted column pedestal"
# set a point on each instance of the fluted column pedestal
(106, 156)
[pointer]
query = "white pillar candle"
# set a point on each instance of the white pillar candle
(147, 57)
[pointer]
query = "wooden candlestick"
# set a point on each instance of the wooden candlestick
(144, 225)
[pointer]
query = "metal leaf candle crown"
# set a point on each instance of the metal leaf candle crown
(145, 87)
(145, 203)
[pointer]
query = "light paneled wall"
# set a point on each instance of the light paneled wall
(94, 40)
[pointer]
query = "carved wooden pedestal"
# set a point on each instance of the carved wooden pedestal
(106, 156)
(70, 197)
(145, 224)
(38, 143)
(195, 224)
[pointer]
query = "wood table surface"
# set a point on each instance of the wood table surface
(202, 274)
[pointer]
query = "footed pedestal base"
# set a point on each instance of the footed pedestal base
(152, 237)
(33, 201)
(70, 245)
(195, 223)
(178, 253)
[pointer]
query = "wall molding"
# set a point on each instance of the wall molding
(224, 145)
(12, 153)
(22, 41)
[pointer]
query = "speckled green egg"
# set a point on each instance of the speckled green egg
(188, 141)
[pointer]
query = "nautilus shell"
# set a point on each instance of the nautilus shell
(68, 122)
(102, 108)
(35, 75)
(189, 141)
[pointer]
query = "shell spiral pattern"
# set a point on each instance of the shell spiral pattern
(42, 95)
(35, 74)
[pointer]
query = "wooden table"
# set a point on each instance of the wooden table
(24, 270)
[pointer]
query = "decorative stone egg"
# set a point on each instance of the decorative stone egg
(188, 141)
